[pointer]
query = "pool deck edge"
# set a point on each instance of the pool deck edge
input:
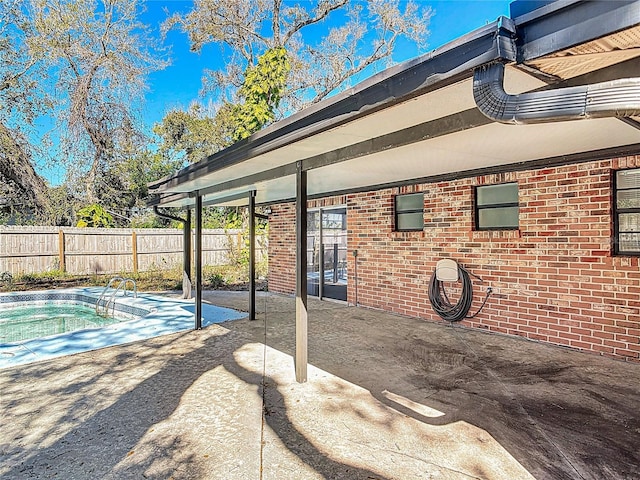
(167, 315)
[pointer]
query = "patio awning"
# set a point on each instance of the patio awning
(419, 120)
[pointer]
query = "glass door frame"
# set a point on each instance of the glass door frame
(321, 253)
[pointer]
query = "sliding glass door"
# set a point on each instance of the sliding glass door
(327, 253)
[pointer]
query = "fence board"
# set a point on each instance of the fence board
(27, 249)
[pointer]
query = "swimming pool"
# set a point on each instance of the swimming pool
(138, 318)
(35, 321)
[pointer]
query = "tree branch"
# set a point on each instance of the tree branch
(334, 83)
(7, 82)
(321, 16)
(275, 22)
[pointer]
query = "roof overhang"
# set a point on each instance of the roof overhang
(419, 120)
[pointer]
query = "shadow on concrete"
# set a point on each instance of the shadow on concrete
(95, 441)
(560, 413)
(87, 414)
(105, 414)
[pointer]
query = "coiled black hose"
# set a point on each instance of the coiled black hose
(441, 303)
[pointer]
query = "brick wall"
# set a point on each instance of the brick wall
(553, 280)
(282, 242)
(282, 248)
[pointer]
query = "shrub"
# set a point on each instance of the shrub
(215, 280)
(48, 275)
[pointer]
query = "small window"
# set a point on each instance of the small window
(627, 212)
(409, 212)
(497, 207)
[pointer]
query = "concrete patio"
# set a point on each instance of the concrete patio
(388, 397)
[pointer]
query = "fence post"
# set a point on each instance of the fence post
(134, 248)
(61, 259)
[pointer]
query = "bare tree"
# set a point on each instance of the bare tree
(20, 102)
(364, 35)
(100, 54)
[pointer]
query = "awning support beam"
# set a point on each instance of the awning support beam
(186, 248)
(301, 274)
(198, 262)
(186, 256)
(252, 255)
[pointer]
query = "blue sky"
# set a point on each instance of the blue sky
(180, 83)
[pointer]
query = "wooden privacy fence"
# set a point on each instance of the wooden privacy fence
(109, 250)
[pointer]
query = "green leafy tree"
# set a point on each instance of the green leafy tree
(94, 215)
(194, 134)
(260, 94)
(61, 209)
(197, 135)
(124, 190)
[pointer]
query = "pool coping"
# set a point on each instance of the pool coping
(165, 315)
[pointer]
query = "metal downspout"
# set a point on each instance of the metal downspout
(186, 249)
(617, 98)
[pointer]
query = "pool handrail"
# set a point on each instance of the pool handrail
(135, 287)
(112, 302)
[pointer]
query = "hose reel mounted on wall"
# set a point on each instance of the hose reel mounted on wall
(448, 270)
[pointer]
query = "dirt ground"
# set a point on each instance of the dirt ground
(387, 397)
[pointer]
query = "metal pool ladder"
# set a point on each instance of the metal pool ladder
(103, 304)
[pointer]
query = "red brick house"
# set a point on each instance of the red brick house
(556, 278)
(514, 150)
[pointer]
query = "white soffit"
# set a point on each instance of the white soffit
(449, 100)
(517, 81)
(573, 66)
(487, 146)
(439, 103)
(594, 55)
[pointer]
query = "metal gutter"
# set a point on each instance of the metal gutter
(616, 98)
(561, 24)
(431, 71)
(528, 10)
(157, 211)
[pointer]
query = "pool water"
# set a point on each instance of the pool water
(140, 318)
(29, 321)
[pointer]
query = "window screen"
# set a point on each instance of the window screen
(627, 212)
(409, 212)
(497, 207)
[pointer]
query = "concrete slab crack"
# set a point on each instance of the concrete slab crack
(264, 388)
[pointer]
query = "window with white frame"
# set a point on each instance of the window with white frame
(626, 219)
(496, 207)
(409, 212)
